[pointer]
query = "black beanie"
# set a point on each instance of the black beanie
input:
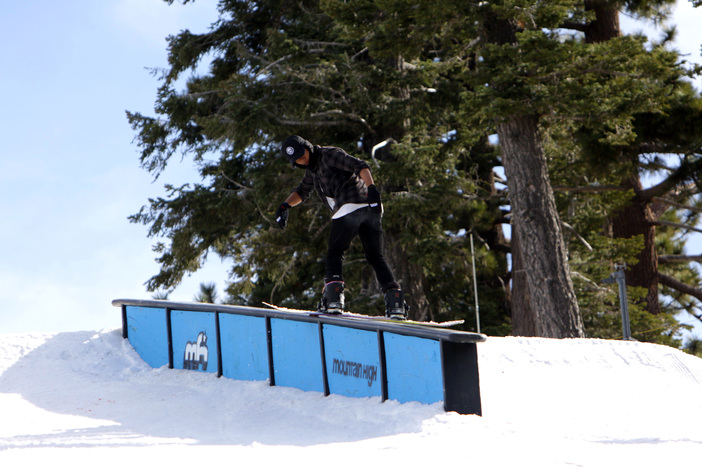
(294, 147)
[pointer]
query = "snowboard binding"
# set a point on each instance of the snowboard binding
(332, 298)
(395, 306)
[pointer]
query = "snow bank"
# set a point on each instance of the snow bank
(546, 403)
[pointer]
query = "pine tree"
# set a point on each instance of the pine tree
(207, 293)
(664, 125)
(335, 72)
(287, 68)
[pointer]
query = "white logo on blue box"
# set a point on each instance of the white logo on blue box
(196, 353)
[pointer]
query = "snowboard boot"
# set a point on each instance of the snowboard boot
(332, 298)
(395, 305)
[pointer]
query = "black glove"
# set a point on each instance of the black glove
(281, 215)
(374, 200)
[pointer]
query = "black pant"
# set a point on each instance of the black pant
(368, 226)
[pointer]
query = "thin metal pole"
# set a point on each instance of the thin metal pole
(623, 301)
(620, 278)
(475, 284)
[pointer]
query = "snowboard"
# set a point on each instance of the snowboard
(351, 315)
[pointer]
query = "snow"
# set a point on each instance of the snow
(86, 398)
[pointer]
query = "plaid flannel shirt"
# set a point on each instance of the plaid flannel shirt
(335, 178)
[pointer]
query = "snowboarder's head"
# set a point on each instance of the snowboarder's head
(297, 150)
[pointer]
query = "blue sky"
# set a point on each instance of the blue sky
(69, 172)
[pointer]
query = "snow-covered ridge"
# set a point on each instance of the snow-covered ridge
(545, 403)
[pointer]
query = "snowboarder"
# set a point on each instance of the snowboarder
(345, 185)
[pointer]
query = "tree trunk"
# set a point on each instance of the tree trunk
(523, 316)
(606, 23)
(408, 274)
(537, 225)
(535, 220)
(411, 278)
(637, 219)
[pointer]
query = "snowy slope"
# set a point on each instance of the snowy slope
(87, 399)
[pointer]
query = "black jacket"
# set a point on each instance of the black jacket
(334, 174)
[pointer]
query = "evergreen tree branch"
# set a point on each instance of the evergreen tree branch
(680, 258)
(680, 286)
(281, 277)
(589, 188)
(675, 204)
(686, 172)
(265, 69)
(662, 188)
(323, 123)
(574, 26)
(661, 222)
(255, 201)
(577, 235)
